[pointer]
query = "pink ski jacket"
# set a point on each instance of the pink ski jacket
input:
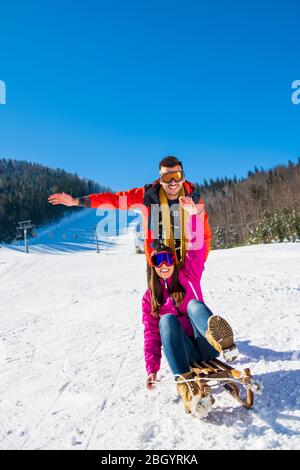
(189, 277)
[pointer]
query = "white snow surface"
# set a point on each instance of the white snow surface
(71, 347)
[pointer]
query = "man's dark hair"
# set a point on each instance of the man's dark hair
(170, 162)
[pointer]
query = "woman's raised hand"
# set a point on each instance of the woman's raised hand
(62, 198)
(150, 378)
(188, 205)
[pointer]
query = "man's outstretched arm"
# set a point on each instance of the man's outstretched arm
(120, 200)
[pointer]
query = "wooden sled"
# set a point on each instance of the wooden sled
(238, 383)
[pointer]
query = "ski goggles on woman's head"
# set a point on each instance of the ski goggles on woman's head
(163, 257)
(170, 176)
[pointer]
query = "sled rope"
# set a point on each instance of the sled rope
(215, 381)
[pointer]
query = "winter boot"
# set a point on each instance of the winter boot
(196, 396)
(220, 336)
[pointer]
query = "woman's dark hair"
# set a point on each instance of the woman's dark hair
(176, 289)
(170, 162)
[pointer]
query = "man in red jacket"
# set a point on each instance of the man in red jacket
(168, 188)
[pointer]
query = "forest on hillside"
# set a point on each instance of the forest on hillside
(262, 208)
(24, 191)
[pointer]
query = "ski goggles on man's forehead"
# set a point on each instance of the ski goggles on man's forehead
(163, 257)
(170, 176)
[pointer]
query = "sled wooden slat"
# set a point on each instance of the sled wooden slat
(217, 369)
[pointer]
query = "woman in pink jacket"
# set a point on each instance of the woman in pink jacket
(176, 318)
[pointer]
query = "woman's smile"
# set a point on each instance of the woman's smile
(165, 271)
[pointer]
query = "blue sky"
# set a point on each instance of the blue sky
(107, 88)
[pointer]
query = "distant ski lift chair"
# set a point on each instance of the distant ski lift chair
(139, 235)
(139, 241)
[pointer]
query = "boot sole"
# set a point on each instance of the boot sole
(220, 336)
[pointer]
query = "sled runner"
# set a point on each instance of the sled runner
(238, 383)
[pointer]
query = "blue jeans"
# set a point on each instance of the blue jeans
(181, 350)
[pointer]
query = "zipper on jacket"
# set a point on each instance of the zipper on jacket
(173, 301)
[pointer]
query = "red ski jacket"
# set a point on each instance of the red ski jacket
(147, 200)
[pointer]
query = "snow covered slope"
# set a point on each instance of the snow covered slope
(71, 350)
(77, 232)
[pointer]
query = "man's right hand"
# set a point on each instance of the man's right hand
(151, 377)
(63, 198)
